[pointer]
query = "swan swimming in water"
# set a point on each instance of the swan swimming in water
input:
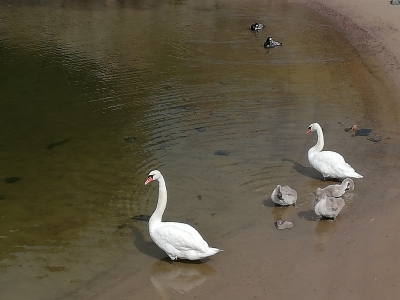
(328, 163)
(338, 190)
(284, 195)
(178, 240)
(328, 207)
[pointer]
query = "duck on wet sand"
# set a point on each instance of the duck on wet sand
(358, 131)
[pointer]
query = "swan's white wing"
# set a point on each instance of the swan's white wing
(332, 164)
(328, 156)
(172, 237)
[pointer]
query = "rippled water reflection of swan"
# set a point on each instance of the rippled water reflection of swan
(178, 277)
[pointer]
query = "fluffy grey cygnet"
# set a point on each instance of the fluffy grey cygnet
(328, 207)
(338, 190)
(284, 195)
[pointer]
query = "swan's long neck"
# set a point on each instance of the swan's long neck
(320, 142)
(162, 202)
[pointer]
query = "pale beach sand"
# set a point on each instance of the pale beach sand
(373, 28)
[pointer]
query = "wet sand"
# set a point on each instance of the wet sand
(372, 27)
(361, 262)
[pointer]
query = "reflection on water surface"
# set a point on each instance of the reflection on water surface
(178, 277)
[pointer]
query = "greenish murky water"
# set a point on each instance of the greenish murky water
(94, 96)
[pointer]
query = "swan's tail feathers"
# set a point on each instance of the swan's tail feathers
(213, 251)
(356, 175)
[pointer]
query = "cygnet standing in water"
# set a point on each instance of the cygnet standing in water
(328, 207)
(338, 190)
(284, 195)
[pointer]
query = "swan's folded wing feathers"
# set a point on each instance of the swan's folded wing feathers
(334, 165)
(182, 237)
(330, 156)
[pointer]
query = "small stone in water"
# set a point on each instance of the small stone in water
(375, 139)
(11, 179)
(144, 218)
(222, 152)
(201, 129)
(130, 139)
(283, 224)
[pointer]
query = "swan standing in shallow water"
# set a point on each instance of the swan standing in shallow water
(328, 163)
(178, 240)
(338, 190)
(284, 195)
(328, 207)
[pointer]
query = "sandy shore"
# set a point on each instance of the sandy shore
(373, 28)
(364, 265)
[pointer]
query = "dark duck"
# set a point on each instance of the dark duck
(358, 131)
(256, 26)
(270, 43)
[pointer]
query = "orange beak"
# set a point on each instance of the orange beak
(149, 179)
(308, 131)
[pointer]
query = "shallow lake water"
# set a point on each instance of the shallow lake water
(94, 96)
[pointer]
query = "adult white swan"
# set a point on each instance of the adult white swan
(328, 163)
(178, 240)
